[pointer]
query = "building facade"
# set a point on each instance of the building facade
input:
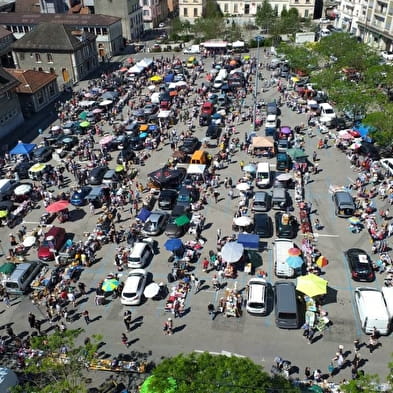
(130, 13)
(108, 29)
(36, 90)
(154, 12)
(173, 7)
(190, 10)
(56, 49)
(10, 112)
(6, 39)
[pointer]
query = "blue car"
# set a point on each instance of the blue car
(78, 198)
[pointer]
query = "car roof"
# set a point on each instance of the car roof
(132, 281)
(154, 217)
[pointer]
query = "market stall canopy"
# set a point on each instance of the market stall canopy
(242, 221)
(311, 285)
(7, 268)
(110, 285)
(166, 176)
(196, 169)
(23, 189)
(23, 148)
(169, 78)
(110, 95)
(146, 62)
(248, 240)
(105, 102)
(243, 186)
(215, 44)
(163, 114)
(232, 252)
(238, 44)
(135, 70)
(57, 206)
(296, 153)
(86, 103)
(250, 168)
(155, 98)
(143, 214)
(261, 141)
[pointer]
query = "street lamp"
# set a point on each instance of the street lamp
(258, 39)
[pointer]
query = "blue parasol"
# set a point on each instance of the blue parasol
(294, 262)
(173, 244)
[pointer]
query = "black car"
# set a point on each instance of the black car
(125, 155)
(167, 199)
(204, 119)
(78, 197)
(120, 142)
(286, 225)
(263, 226)
(187, 195)
(22, 168)
(172, 229)
(41, 154)
(213, 131)
(67, 142)
(135, 143)
(189, 145)
(360, 265)
(97, 174)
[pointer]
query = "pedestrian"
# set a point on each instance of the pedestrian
(339, 358)
(314, 157)
(86, 316)
(124, 340)
(215, 283)
(118, 215)
(31, 319)
(317, 224)
(218, 234)
(205, 265)
(13, 241)
(307, 373)
(92, 208)
(311, 333)
(64, 314)
(373, 340)
(216, 194)
(306, 177)
(6, 300)
(71, 298)
(62, 327)
(198, 284)
(82, 288)
(356, 344)
(231, 193)
(10, 332)
(211, 310)
(341, 349)
(168, 327)
(241, 163)
(37, 325)
(127, 318)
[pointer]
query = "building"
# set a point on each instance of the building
(154, 12)
(190, 10)
(10, 111)
(6, 39)
(108, 29)
(55, 48)
(130, 13)
(36, 89)
(173, 7)
(348, 13)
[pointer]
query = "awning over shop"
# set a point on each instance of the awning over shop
(215, 44)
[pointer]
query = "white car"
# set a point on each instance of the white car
(327, 114)
(271, 121)
(161, 25)
(387, 55)
(132, 294)
(387, 163)
(257, 296)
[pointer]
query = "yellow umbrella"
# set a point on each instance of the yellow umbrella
(3, 213)
(156, 78)
(295, 79)
(311, 285)
(37, 167)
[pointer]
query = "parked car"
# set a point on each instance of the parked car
(140, 255)
(125, 155)
(167, 199)
(150, 109)
(67, 142)
(22, 169)
(41, 154)
(53, 241)
(257, 296)
(360, 265)
(132, 294)
(187, 195)
(189, 145)
(263, 226)
(120, 142)
(286, 225)
(97, 174)
(155, 224)
(207, 108)
(213, 131)
(173, 230)
(135, 143)
(78, 197)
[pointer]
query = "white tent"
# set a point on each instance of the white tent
(238, 44)
(136, 69)
(155, 98)
(145, 63)
(196, 169)
(163, 114)
(86, 103)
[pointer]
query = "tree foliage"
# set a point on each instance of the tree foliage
(201, 373)
(299, 57)
(50, 373)
(265, 16)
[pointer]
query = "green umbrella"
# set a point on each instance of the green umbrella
(182, 220)
(296, 153)
(146, 388)
(83, 115)
(84, 124)
(7, 268)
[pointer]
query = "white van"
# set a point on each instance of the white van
(327, 114)
(220, 78)
(372, 310)
(271, 121)
(280, 255)
(263, 175)
(257, 296)
(387, 293)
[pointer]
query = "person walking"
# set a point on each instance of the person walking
(86, 317)
(31, 319)
(127, 318)
(373, 340)
(211, 310)
(307, 373)
(216, 194)
(6, 300)
(37, 325)
(168, 327)
(218, 234)
(215, 283)
(124, 340)
(82, 288)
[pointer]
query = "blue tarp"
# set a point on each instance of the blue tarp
(143, 215)
(23, 148)
(169, 78)
(248, 240)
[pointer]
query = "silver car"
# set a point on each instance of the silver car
(132, 294)
(155, 224)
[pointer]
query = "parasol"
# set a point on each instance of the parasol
(151, 87)
(142, 135)
(243, 186)
(243, 221)
(105, 102)
(285, 130)
(322, 261)
(151, 290)
(97, 110)
(295, 262)
(3, 213)
(83, 115)
(110, 285)
(29, 241)
(84, 124)
(311, 285)
(37, 167)
(7, 268)
(294, 252)
(119, 168)
(156, 78)
(23, 189)
(354, 220)
(106, 139)
(284, 177)
(250, 168)
(57, 206)
(182, 220)
(173, 244)
(232, 251)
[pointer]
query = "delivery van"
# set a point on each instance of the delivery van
(200, 157)
(372, 310)
(280, 255)
(263, 175)
(19, 281)
(344, 205)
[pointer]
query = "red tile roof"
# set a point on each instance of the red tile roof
(31, 81)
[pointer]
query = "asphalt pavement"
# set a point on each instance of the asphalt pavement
(255, 337)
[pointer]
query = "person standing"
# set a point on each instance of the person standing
(86, 317)
(82, 288)
(6, 300)
(218, 234)
(168, 327)
(31, 319)
(124, 340)
(37, 325)
(127, 318)
(211, 310)
(307, 373)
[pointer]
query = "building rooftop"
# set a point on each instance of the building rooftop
(52, 37)
(4, 32)
(9, 18)
(31, 6)
(31, 81)
(7, 81)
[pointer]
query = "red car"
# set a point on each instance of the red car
(207, 108)
(54, 240)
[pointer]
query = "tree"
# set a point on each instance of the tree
(381, 121)
(265, 16)
(202, 373)
(50, 374)
(300, 58)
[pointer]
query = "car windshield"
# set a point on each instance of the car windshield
(129, 294)
(256, 305)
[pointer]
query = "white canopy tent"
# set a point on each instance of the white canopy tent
(145, 63)
(86, 103)
(155, 98)
(196, 169)
(163, 114)
(215, 44)
(136, 69)
(238, 44)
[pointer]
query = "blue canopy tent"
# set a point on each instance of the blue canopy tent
(364, 130)
(248, 240)
(23, 148)
(143, 214)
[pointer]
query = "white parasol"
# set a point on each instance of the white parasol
(243, 186)
(106, 102)
(23, 189)
(232, 251)
(151, 87)
(29, 241)
(243, 221)
(284, 177)
(151, 290)
(56, 128)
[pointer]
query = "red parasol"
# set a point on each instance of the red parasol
(57, 206)
(294, 252)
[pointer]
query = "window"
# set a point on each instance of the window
(22, 55)
(306, 13)
(20, 29)
(235, 8)
(226, 7)
(145, 12)
(195, 12)
(38, 58)
(49, 57)
(246, 9)
(146, 2)
(185, 11)
(98, 31)
(104, 31)
(40, 97)
(52, 90)
(26, 29)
